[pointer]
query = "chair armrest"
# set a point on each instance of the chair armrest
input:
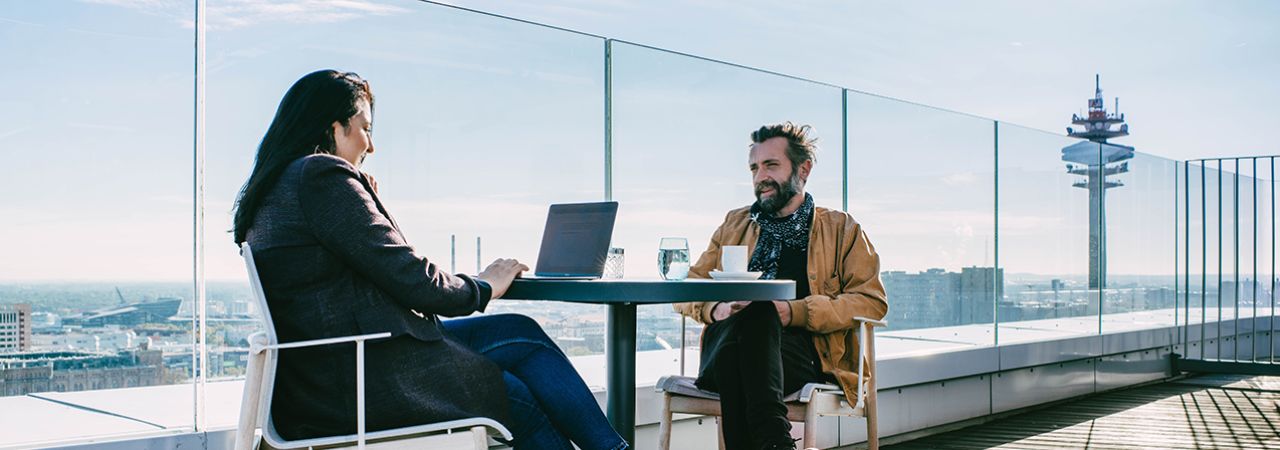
(256, 347)
(873, 322)
(450, 425)
(806, 392)
(258, 343)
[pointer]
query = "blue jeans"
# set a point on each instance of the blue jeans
(550, 404)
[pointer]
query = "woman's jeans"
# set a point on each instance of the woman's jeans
(550, 404)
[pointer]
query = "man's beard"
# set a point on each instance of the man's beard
(782, 194)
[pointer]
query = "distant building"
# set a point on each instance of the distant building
(936, 298)
(23, 373)
(979, 287)
(128, 315)
(15, 328)
(94, 340)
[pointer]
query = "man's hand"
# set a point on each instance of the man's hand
(723, 310)
(500, 273)
(784, 312)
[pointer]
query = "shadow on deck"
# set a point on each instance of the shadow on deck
(1202, 412)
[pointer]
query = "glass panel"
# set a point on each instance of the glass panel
(1267, 216)
(479, 124)
(1258, 287)
(1240, 283)
(680, 147)
(1044, 207)
(1216, 254)
(95, 278)
(1140, 245)
(1196, 280)
(1181, 235)
(921, 183)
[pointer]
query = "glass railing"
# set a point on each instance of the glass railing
(1045, 237)
(681, 133)
(97, 232)
(1227, 216)
(1140, 239)
(989, 233)
(921, 182)
(480, 123)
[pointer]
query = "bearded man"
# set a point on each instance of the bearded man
(754, 353)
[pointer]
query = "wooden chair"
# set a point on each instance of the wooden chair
(255, 404)
(814, 400)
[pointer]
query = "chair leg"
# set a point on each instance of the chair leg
(720, 432)
(249, 401)
(664, 424)
(810, 426)
(873, 415)
(873, 435)
(481, 437)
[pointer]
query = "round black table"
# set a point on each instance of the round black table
(622, 296)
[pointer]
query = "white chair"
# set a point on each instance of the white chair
(255, 404)
(814, 400)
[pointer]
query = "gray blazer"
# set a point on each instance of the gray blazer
(334, 263)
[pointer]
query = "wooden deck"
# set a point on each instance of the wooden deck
(1205, 412)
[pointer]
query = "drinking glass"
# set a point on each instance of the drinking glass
(673, 258)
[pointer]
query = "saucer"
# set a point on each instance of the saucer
(716, 274)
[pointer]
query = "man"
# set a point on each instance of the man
(754, 353)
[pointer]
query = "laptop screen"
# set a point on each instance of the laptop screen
(576, 239)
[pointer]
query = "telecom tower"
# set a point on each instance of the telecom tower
(1096, 160)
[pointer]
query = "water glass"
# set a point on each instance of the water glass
(673, 258)
(614, 263)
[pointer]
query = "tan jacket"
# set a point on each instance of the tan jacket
(844, 282)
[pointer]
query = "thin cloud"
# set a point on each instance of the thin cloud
(960, 179)
(13, 132)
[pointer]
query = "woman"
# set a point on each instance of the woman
(333, 263)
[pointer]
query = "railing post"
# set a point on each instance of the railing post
(359, 394)
(1235, 261)
(1253, 287)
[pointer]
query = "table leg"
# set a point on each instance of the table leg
(622, 370)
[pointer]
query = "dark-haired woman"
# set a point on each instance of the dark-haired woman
(333, 263)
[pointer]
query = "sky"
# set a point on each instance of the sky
(1196, 79)
(481, 122)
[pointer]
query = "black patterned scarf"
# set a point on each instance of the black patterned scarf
(777, 232)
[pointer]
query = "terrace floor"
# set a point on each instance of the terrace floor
(1201, 412)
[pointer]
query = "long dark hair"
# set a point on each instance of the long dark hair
(303, 125)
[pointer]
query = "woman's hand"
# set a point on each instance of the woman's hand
(500, 273)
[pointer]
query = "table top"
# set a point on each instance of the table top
(650, 291)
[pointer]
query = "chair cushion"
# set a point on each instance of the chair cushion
(678, 385)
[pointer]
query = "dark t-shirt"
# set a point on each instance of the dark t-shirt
(797, 343)
(794, 266)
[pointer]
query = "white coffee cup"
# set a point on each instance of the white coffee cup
(734, 258)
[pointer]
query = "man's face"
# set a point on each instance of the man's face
(776, 181)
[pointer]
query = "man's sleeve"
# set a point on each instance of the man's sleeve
(710, 260)
(861, 292)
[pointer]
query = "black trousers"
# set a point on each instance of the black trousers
(752, 361)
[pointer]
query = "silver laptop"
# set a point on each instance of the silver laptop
(575, 241)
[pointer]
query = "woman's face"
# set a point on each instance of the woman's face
(355, 140)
